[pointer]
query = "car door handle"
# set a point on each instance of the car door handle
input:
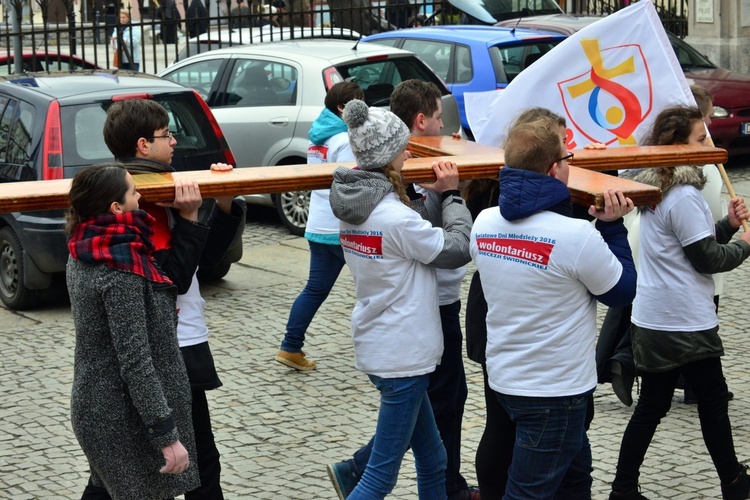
(282, 121)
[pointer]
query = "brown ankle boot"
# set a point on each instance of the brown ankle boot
(296, 360)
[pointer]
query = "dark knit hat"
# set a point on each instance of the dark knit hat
(376, 135)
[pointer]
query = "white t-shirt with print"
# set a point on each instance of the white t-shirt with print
(538, 275)
(672, 295)
(396, 321)
(336, 149)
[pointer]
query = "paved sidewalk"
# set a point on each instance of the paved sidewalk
(277, 429)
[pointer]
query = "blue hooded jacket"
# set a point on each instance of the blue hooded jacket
(523, 193)
(325, 126)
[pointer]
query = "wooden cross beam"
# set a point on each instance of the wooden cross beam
(587, 186)
(585, 182)
(590, 159)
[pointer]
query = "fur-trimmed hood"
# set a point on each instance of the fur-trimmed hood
(674, 176)
(666, 178)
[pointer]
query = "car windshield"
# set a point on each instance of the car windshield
(512, 9)
(196, 141)
(689, 57)
(379, 77)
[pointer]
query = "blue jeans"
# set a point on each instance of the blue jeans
(551, 456)
(326, 262)
(405, 419)
(447, 392)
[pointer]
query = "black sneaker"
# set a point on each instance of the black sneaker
(739, 489)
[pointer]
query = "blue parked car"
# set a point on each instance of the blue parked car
(472, 58)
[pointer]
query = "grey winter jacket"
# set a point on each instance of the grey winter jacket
(131, 394)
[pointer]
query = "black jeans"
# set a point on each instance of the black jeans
(707, 380)
(495, 450)
(447, 392)
(209, 467)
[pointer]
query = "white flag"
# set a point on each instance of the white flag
(608, 80)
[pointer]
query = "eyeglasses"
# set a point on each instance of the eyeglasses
(567, 157)
(168, 135)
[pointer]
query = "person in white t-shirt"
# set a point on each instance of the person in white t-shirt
(392, 253)
(542, 272)
(495, 450)
(675, 326)
(418, 104)
(329, 143)
(614, 353)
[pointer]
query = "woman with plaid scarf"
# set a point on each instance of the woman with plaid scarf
(130, 403)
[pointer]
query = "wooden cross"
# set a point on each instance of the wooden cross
(473, 160)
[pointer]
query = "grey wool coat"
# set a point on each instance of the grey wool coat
(131, 394)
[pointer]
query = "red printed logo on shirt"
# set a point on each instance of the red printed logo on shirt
(367, 244)
(529, 250)
(319, 152)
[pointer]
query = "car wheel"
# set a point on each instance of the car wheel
(13, 291)
(293, 208)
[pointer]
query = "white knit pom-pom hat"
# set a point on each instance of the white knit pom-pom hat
(376, 135)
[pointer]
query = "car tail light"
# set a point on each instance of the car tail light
(376, 58)
(52, 164)
(331, 77)
(217, 130)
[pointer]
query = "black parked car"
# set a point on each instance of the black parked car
(50, 127)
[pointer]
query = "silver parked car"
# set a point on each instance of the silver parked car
(266, 96)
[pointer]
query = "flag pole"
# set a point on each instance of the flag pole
(728, 184)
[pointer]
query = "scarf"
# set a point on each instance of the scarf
(161, 235)
(120, 241)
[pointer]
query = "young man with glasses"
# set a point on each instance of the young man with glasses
(542, 272)
(137, 133)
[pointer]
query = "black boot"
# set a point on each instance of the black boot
(739, 489)
(633, 494)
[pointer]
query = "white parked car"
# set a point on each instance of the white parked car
(266, 96)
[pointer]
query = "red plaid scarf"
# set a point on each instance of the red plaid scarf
(119, 240)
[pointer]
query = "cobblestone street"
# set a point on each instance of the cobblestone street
(277, 429)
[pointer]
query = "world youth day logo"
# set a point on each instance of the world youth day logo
(608, 102)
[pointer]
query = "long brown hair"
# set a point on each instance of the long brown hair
(672, 126)
(398, 184)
